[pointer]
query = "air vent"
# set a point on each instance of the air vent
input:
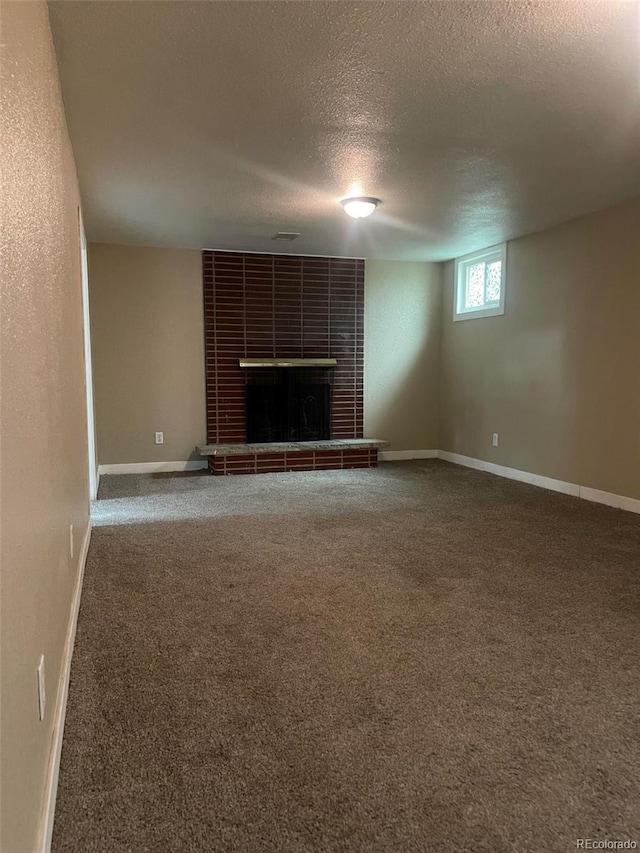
(286, 235)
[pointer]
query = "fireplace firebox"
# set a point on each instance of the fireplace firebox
(288, 404)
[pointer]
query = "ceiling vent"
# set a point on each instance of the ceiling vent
(288, 236)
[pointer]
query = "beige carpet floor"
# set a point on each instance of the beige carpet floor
(414, 658)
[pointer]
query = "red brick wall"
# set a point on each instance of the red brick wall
(278, 306)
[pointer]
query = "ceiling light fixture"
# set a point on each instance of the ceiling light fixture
(360, 206)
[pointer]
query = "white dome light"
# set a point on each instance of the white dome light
(360, 206)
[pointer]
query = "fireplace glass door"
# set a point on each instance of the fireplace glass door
(288, 404)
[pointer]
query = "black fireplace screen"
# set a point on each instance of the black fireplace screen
(288, 404)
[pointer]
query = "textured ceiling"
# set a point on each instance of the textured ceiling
(216, 124)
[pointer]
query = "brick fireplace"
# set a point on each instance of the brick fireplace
(287, 307)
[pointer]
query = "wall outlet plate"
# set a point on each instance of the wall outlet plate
(494, 439)
(42, 696)
(159, 438)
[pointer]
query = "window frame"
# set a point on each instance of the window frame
(493, 253)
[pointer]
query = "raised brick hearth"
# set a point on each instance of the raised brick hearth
(318, 460)
(285, 456)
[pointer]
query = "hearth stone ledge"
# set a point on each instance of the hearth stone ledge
(291, 447)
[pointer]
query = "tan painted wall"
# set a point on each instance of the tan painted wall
(148, 352)
(402, 353)
(558, 376)
(44, 460)
(148, 355)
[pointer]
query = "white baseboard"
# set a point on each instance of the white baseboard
(574, 489)
(617, 501)
(396, 455)
(51, 783)
(152, 467)
(511, 473)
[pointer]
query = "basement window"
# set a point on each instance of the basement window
(480, 283)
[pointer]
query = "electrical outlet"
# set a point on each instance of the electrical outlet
(494, 439)
(42, 696)
(159, 438)
(71, 541)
